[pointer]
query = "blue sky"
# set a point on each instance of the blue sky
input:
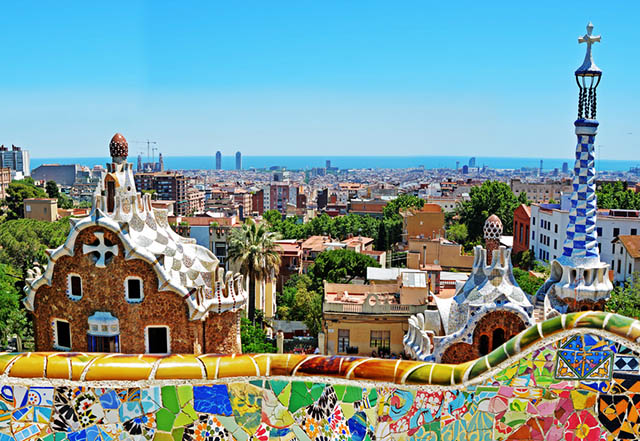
(302, 77)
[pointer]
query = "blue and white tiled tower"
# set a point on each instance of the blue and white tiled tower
(579, 280)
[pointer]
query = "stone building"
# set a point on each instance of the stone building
(486, 311)
(123, 281)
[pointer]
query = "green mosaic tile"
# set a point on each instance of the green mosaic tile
(187, 416)
(373, 397)
(316, 390)
(170, 399)
(232, 426)
(339, 390)
(277, 386)
(185, 394)
(259, 383)
(159, 436)
(177, 433)
(301, 396)
(352, 394)
(165, 419)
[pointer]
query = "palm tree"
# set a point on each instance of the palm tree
(254, 248)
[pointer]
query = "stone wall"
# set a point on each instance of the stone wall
(508, 322)
(104, 290)
(575, 377)
(222, 333)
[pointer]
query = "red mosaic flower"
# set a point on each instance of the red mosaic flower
(582, 426)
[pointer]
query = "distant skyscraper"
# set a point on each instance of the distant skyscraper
(328, 163)
(16, 159)
(472, 162)
(540, 171)
(465, 169)
(238, 161)
(218, 160)
(565, 167)
(139, 163)
(457, 165)
(160, 162)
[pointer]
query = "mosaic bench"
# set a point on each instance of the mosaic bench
(574, 377)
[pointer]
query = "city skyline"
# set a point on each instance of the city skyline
(331, 79)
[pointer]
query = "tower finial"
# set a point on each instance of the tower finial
(588, 77)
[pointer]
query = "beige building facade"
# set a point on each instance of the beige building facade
(44, 209)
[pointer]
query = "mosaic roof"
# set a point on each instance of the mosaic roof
(182, 266)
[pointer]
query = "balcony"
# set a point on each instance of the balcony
(372, 306)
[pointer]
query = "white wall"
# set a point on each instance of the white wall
(606, 227)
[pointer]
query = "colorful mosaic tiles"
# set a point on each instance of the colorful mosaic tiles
(576, 386)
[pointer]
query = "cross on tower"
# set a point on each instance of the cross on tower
(589, 39)
(102, 249)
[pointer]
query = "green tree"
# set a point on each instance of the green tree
(286, 300)
(339, 266)
(457, 233)
(529, 284)
(522, 198)
(253, 338)
(311, 303)
(84, 204)
(53, 192)
(401, 203)
(13, 317)
(17, 192)
(64, 201)
(24, 241)
(273, 217)
(625, 299)
(52, 189)
(617, 196)
(492, 197)
(382, 238)
(254, 249)
(299, 302)
(524, 259)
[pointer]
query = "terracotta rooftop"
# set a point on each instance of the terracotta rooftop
(314, 243)
(289, 247)
(631, 244)
(352, 241)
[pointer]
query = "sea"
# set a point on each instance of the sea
(348, 162)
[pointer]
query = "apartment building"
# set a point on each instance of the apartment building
(541, 192)
(5, 180)
(549, 225)
(168, 186)
(16, 159)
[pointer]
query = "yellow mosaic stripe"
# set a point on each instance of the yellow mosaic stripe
(135, 367)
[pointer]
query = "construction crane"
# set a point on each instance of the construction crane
(153, 154)
(148, 147)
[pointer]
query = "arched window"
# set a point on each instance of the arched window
(484, 345)
(498, 338)
(111, 193)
